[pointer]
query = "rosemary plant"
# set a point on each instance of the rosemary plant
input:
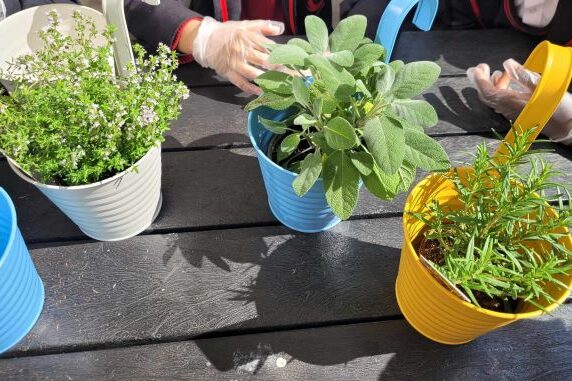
(487, 242)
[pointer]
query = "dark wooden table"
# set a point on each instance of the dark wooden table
(216, 288)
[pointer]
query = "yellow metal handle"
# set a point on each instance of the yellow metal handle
(554, 62)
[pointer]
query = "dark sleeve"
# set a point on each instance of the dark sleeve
(154, 24)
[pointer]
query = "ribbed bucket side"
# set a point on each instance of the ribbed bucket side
(310, 213)
(21, 289)
(427, 305)
(116, 208)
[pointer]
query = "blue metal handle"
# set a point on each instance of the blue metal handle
(395, 14)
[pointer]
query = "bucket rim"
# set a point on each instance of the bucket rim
(111, 179)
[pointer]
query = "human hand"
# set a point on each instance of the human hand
(236, 50)
(508, 92)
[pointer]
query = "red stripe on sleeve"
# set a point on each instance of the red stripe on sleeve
(223, 10)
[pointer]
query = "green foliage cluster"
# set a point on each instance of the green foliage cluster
(353, 110)
(487, 241)
(69, 120)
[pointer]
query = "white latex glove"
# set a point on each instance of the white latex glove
(508, 92)
(236, 49)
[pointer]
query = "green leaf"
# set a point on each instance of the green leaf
(381, 184)
(290, 143)
(300, 91)
(362, 87)
(363, 162)
(425, 152)
(275, 81)
(288, 55)
(366, 55)
(319, 139)
(344, 58)
(397, 65)
(318, 106)
(415, 111)
(348, 33)
(317, 33)
(385, 140)
(385, 80)
(341, 181)
(337, 80)
(311, 168)
(301, 44)
(273, 126)
(305, 120)
(414, 78)
(271, 100)
(340, 134)
(406, 174)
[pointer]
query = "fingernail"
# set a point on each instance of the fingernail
(278, 25)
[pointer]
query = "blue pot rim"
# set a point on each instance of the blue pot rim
(262, 154)
(13, 227)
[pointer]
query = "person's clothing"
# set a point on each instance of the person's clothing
(154, 24)
(469, 14)
(537, 13)
(262, 10)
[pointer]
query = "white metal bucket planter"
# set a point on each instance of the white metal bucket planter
(118, 207)
(113, 209)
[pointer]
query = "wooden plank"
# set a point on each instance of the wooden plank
(390, 350)
(214, 116)
(158, 287)
(206, 189)
(455, 51)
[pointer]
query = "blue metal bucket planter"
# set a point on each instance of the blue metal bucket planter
(308, 214)
(21, 289)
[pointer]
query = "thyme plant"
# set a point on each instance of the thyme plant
(350, 115)
(69, 120)
(487, 242)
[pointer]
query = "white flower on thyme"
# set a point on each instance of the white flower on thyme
(147, 116)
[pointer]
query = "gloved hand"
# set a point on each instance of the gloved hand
(236, 49)
(508, 92)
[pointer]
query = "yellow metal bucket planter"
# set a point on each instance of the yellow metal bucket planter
(427, 305)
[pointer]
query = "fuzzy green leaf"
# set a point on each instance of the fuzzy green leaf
(366, 55)
(425, 152)
(273, 126)
(348, 33)
(397, 65)
(318, 106)
(337, 80)
(385, 140)
(341, 181)
(271, 100)
(344, 58)
(317, 33)
(340, 134)
(311, 168)
(290, 143)
(274, 81)
(414, 78)
(305, 120)
(301, 44)
(363, 162)
(406, 174)
(288, 55)
(385, 80)
(300, 91)
(415, 111)
(381, 184)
